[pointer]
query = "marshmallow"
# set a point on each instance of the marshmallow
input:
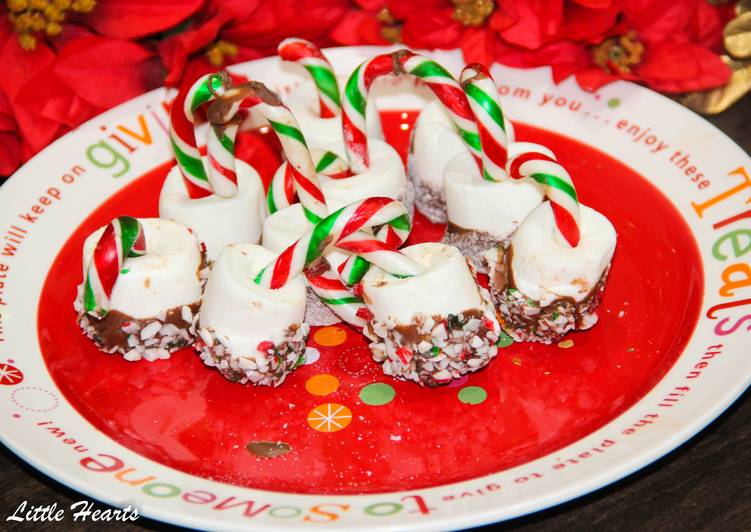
(446, 287)
(325, 133)
(242, 314)
(435, 142)
(545, 270)
(155, 297)
(496, 208)
(435, 326)
(217, 221)
(165, 277)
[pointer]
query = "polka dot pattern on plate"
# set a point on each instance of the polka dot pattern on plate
(329, 417)
(472, 395)
(330, 336)
(322, 384)
(377, 394)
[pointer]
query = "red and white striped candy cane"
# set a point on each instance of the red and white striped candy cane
(302, 175)
(444, 86)
(538, 163)
(183, 136)
(282, 191)
(343, 229)
(312, 59)
(122, 238)
(340, 299)
(491, 123)
(223, 114)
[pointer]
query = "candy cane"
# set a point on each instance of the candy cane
(122, 238)
(223, 114)
(540, 165)
(483, 99)
(183, 136)
(335, 295)
(340, 229)
(437, 78)
(282, 191)
(301, 176)
(312, 59)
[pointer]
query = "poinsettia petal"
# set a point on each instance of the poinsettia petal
(589, 25)
(25, 64)
(434, 29)
(682, 67)
(175, 50)
(657, 20)
(705, 26)
(596, 4)
(10, 153)
(105, 71)
(538, 22)
(591, 79)
(358, 27)
(7, 123)
(479, 46)
(129, 19)
(273, 21)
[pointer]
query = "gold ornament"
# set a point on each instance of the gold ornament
(737, 39)
(472, 12)
(32, 17)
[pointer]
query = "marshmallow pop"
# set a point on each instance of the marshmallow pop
(550, 277)
(221, 199)
(142, 287)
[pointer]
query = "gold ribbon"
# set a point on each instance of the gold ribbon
(737, 40)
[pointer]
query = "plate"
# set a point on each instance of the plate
(340, 443)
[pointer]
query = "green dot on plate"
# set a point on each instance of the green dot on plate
(472, 395)
(614, 102)
(377, 394)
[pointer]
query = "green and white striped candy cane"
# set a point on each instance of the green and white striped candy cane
(182, 131)
(438, 79)
(282, 191)
(308, 55)
(343, 229)
(491, 123)
(123, 237)
(303, 181)
(224, 114)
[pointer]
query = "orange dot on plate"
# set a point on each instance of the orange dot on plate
(329, 417)
(322, 384)
(330, 336)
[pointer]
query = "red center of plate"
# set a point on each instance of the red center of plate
(339, 425)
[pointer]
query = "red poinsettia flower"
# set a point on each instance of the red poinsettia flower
(228, 32)
(69, 66)
(665, 44)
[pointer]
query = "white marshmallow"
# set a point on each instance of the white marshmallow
(217, 221)
(243, 314)
(435, 142)
(545, 270)
(491, 207)
(164, 278)
(325, 133)
(446, 287)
